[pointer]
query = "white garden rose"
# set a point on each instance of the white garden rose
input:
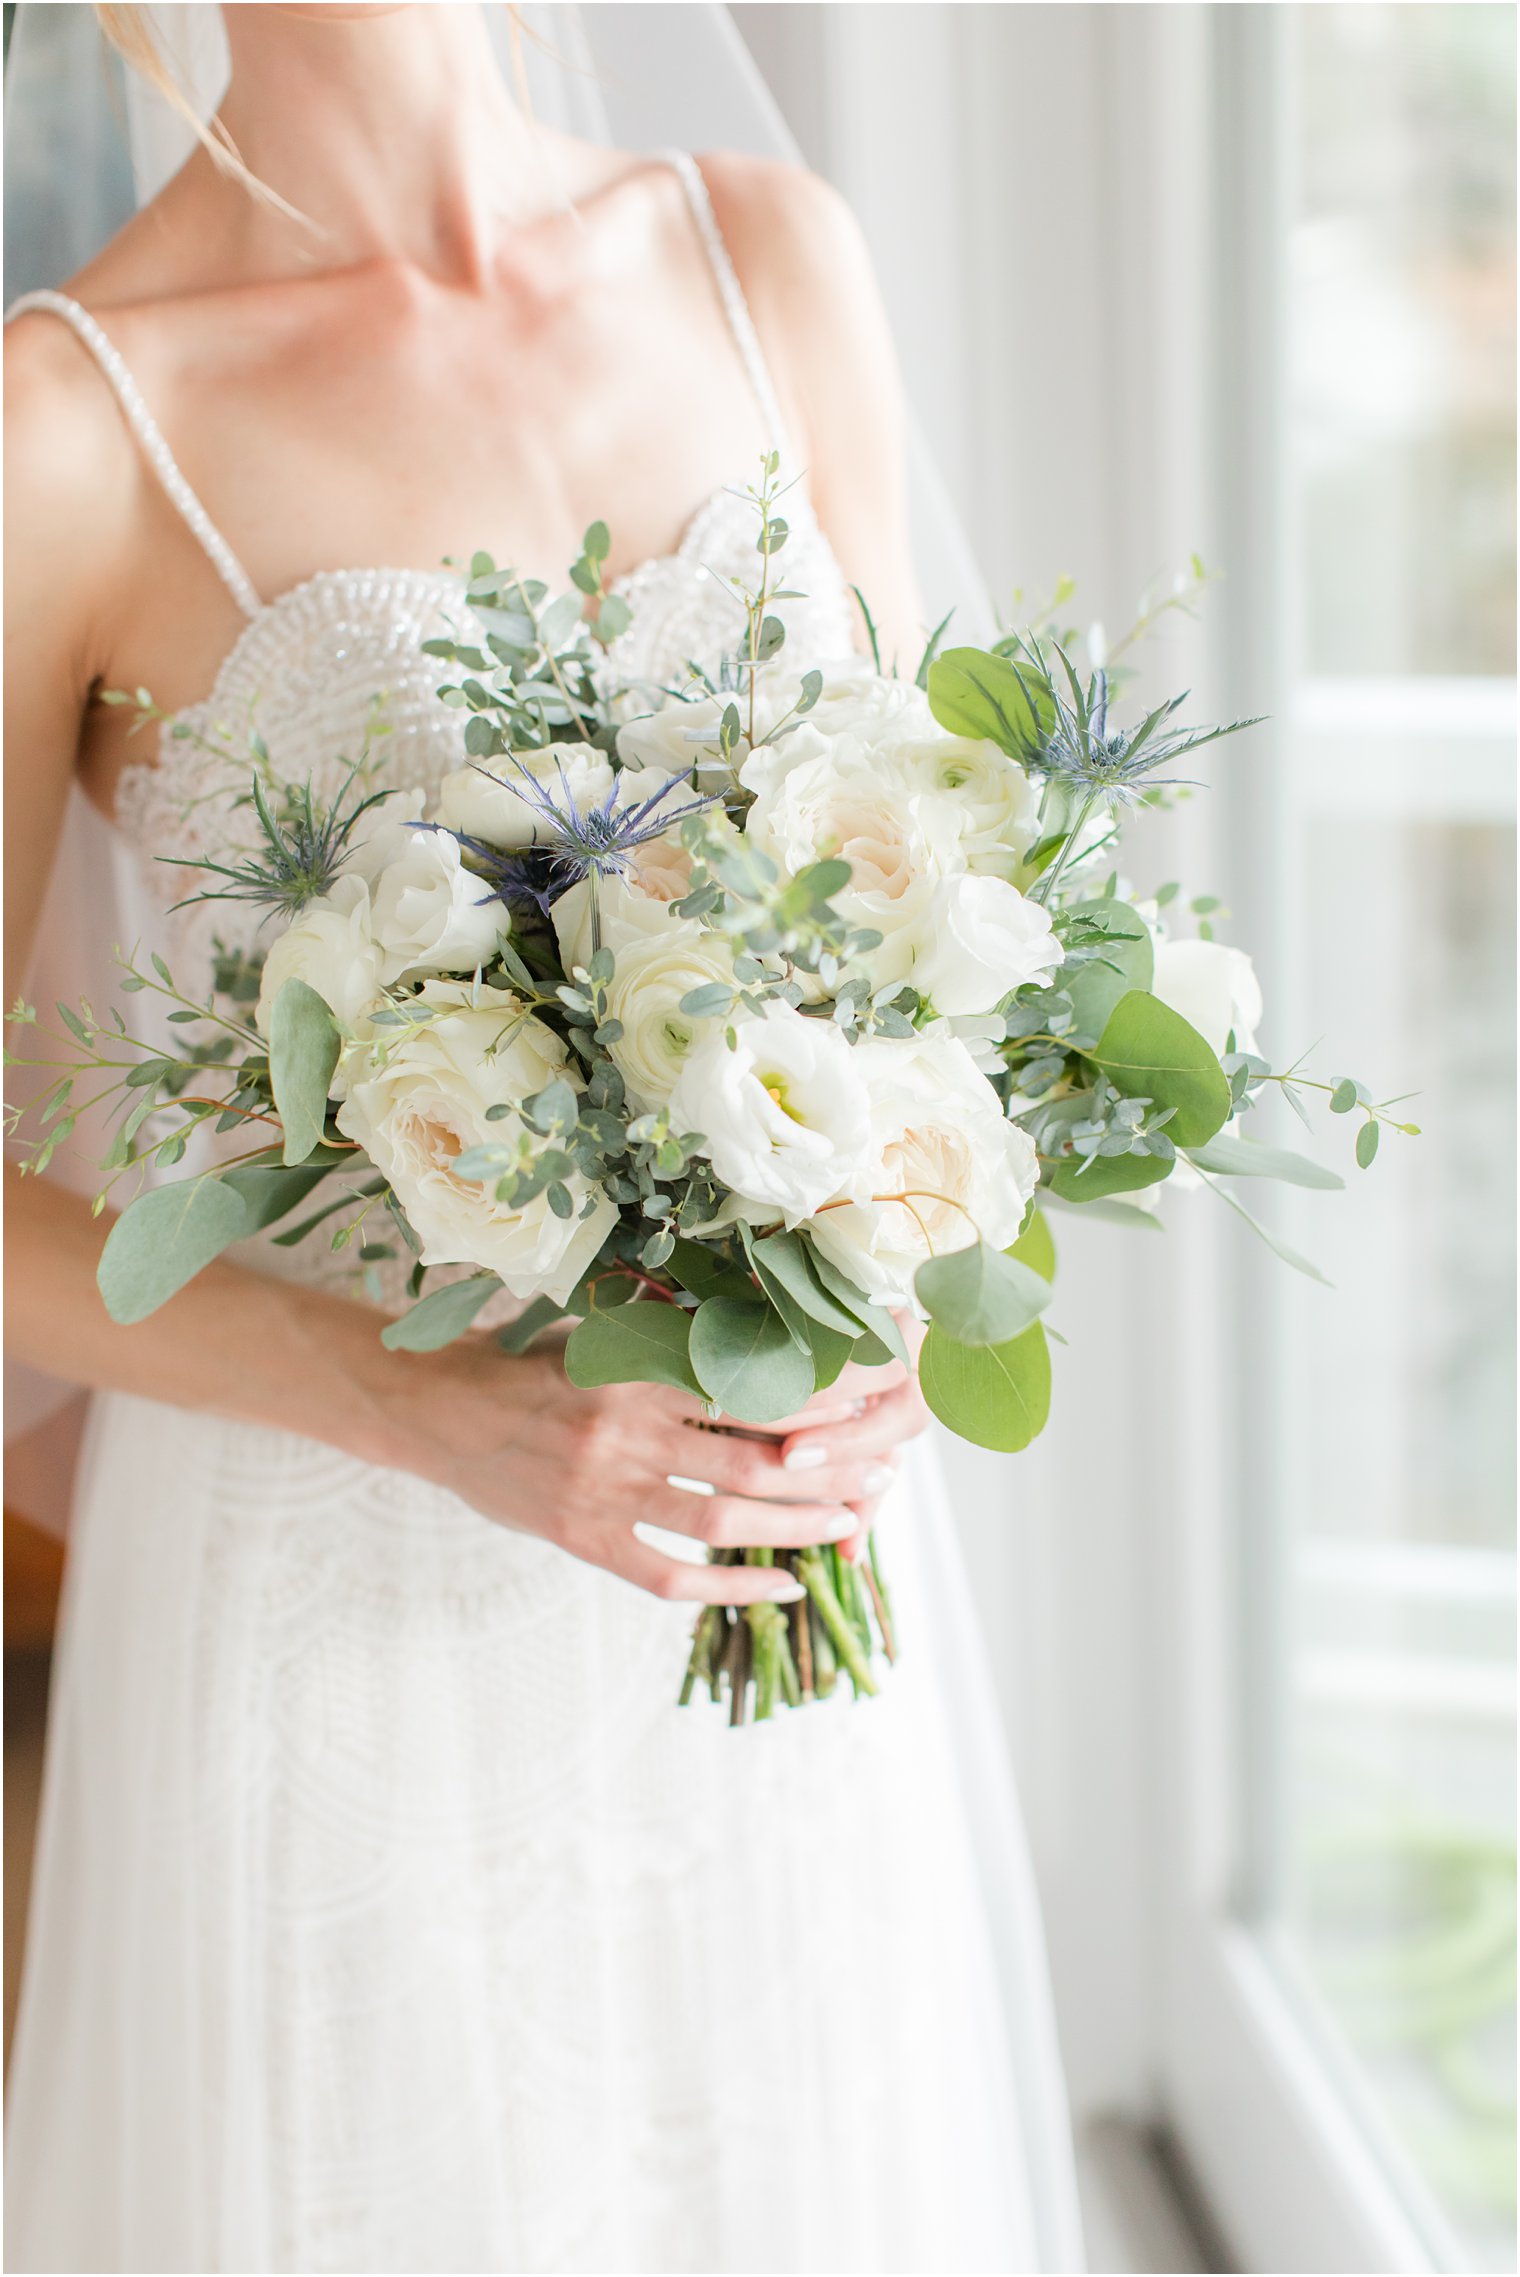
(854, 698)
(783, 1112)
(651, 973)
(486, 800)
(430, 914)
(842, 799)
(1214, 987)
(947, 1167)
(332, 948)
(418, 1100)
(982, 939)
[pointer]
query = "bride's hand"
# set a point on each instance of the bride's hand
(518, 1442)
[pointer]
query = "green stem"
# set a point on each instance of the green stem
(813, 1572)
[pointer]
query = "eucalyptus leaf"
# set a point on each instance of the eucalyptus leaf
(269, 1192)
(703, 1273)
(162, 1240)
(975, 694)
(1234, 1157)
(1148, 1051)
(1095, 987)
(518, 1334)
(995, 1395)
(746, 1361)
(440, 1317)
(639, 1343)
(783, 1258)
(1035, 1248)
(1074, 1180)
(303, 1051)
(978, 1296)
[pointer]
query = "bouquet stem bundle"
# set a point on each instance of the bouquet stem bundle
(798, 1652)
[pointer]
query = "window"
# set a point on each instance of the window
(1382, 1802)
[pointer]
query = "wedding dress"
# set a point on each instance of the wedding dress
(388, 1914)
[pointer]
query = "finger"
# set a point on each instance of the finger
(727, 1521)
(886, 1424)
(754, 1468)
(679, 1582)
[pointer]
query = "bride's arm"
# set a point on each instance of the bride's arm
(808, 279)
(512, 1437)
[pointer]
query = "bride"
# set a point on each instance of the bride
(388, 1915)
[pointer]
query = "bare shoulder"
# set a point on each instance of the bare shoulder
(789, 232)
(63, 431)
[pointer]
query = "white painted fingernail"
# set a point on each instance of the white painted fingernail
(785, 1592)
(842, 1525)
(878, 1478)
(808, 1457)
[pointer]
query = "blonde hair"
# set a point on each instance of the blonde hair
(128, 30)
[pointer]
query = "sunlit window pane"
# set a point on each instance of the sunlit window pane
(1403, 359)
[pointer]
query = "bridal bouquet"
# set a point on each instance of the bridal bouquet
(726, 1021)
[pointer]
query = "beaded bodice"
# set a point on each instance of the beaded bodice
(333, 672)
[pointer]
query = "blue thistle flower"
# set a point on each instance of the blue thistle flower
(300, 855)
(596, 839)
(1082, 750)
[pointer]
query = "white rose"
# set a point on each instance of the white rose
(1214, 987)
(431, 914)
(486, 800)
(651, 974)
(982, 939)
(783, 1113)
(418, 1101)
(841, 799)
(948, 1166)
(331, 947)
(853, 697)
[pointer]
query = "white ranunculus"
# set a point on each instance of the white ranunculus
(417, 1100)
(1214, 987)
(431, 914)
(485, 800)
(627, 914)
(651, 973)
(995, 805)
(673, 739)
(783, 1111)
(982, 938)
(947, 1167)
(332, 948)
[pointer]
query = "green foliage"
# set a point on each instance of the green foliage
(441, 1317)
(1149, 1051)
(979, 1296)
(162, 1240)
(637, 1343)
(1233, 1157)
(746, 1361)
(1115, 956)
(995, 1395)
(303, 1052)
(1035, 1248)
(990, 699)
(1099, 1177)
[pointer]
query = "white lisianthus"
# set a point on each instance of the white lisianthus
(1215, 989)
(332, 948)
(430, 914)
(651, 973)
(783, 1113)
(418, 1100)
(486, 800)
(982, 939)
(947, 1167)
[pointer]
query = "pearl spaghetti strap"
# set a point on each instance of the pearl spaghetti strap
(149, 435)
(730, 291)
